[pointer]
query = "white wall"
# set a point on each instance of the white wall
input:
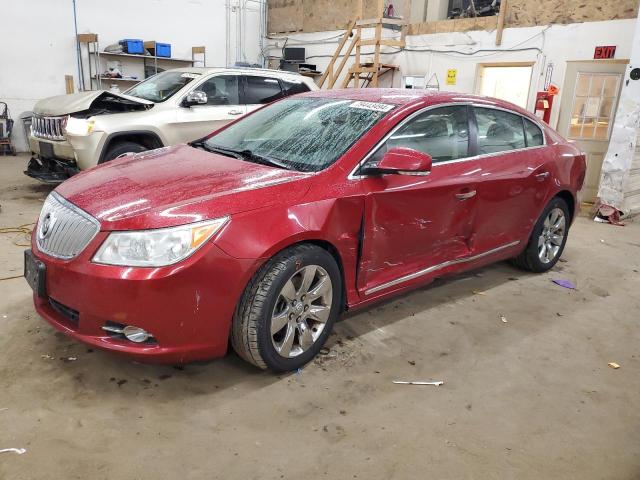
(556, 44)
(39, 39)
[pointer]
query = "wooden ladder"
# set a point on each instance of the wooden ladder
(367, 73)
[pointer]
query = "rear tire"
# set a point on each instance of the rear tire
(288, 309)
(548, 238)
(122, 148)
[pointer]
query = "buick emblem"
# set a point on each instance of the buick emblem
(47, 225)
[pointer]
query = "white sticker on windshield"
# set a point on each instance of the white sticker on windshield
(190, 75)
(376, 107)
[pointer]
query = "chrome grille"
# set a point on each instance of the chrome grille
(51, 128)
(64, 230)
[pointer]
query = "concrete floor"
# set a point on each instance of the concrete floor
(532, 398)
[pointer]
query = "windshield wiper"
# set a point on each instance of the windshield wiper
(245, 154)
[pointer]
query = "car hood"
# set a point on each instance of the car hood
(178, 185)
(80, 102)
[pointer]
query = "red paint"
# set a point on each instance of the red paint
(409, 223)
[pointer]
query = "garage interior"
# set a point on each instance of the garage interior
(539, 381)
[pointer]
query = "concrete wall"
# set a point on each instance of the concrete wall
(430, 54)
(39, 39)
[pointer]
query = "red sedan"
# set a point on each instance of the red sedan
(264, 232)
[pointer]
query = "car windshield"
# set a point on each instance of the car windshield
(162, 86)
(304, 134)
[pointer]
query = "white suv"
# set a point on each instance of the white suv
(74, 132)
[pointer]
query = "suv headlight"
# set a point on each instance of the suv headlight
(78, 126)
(156, 248)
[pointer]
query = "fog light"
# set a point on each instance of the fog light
(135, 334)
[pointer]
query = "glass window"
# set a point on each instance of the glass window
(291, 87)
(260, 90)
(443, 133)
(498, 131)
(534, 135)
(221, 90)
(162, 86)
(593, 105)
(305, 134)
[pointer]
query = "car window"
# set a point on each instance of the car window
(260, 90)
(305, 134)
(162, 86)
(442, 132)
(498, 131)
(534, 135)
(221, 90)
(291, 87)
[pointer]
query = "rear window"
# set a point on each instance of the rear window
(533, 134)
(498, 131)
(259, 90)
(291, 88)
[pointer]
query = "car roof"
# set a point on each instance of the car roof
(410, 97)
(262, 71)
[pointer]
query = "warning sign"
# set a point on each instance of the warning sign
(452, 75)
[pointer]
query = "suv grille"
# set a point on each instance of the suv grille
(51, 128)
(64, 230)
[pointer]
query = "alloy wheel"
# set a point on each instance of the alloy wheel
(552, 236)
(301, 311)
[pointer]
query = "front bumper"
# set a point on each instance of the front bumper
(187, 307)
(53, 164)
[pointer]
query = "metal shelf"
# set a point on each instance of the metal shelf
(145, 57)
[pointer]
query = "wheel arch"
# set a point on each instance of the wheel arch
(568, 197)
(147, 138)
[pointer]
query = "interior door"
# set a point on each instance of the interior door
(223, 106)
(588, 106)
(412, 223)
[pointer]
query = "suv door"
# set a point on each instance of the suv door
(414, 224)
(258, 90)
(223, 106)
(514, 178)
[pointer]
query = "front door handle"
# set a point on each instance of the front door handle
(466, 195)
(542, 176)
(235, 112)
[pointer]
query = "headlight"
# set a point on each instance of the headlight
(78, 126)
(156, 248)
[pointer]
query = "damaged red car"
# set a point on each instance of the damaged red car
(260, 235)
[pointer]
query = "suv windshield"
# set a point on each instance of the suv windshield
(305, 134)
(161, 86)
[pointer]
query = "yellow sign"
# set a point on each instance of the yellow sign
(452, 73)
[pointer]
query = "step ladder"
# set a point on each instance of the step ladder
(364, 74)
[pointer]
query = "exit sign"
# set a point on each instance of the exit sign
(604, 52)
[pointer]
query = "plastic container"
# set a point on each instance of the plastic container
(132, 45)
(161, 50)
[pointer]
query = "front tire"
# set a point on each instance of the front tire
(123, 148)
(288, 309)
(548, 238)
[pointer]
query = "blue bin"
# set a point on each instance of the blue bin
(132, 45)
(163, 50)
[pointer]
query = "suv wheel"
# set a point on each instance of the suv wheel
(288, 309)
(122, 148)
(548, 238)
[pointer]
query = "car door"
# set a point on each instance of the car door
(417, 223)
(514, 177)
(223, 106)
(259, 90)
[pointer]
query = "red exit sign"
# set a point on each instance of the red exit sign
(604, 52)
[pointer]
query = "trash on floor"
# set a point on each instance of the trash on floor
(565, 283)
(479, 292)
(503, 319)
(19, 451)
(401, 382)
(613, 365)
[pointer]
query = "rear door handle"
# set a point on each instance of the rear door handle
(466, 195)
(235, 112)
(541, 176)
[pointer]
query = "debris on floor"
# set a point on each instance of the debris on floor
(564, 283)
(613, 365)
(503, 319)
(19, 451)
(401, 382)
(478, 292)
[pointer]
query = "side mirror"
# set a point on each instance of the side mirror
(195, 98)
(402, 161)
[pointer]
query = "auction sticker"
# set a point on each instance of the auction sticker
(376, 107)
